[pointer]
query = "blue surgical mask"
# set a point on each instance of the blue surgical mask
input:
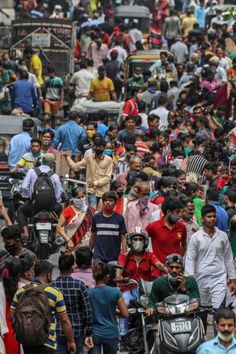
(79, 203)
(36, 154)
(108, 152)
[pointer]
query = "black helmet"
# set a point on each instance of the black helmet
(28, 124)
(137, 232)
(174, 257)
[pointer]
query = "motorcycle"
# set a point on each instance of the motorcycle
(43, 240)
(16, 200)
(180, 329)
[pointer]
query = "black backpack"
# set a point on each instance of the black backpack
(44, 195)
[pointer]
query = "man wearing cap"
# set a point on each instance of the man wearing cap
(28, 209)
(102, 88)
(173, 283)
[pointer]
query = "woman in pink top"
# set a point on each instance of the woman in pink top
(83, 271)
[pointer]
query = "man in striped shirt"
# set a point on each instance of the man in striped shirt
(108, 231)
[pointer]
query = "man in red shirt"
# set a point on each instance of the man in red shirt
(131, 106)
(168, 234)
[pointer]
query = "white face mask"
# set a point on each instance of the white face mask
(226, 337)
(138, 246)
(79, 203)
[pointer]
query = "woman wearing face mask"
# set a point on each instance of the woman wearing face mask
(77, 219)
(138, 263)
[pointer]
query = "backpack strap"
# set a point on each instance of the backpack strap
(37, 171)
(50, 173)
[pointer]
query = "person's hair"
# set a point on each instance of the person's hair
(231, 194)
(130, 118)
(226, 314)
(102, 115)
(50, 131)
(114, 54)
(28, 50)
(115, 185)
(151, 117)
(95, 124)
(163, 53)
(27, 262)
(191, 188)
(77, 190)
(100, 142)
(50, 69)
(233, 162)
(156, 147)
(109, 195)
(134, 90)
(36, 140)
(100, 271)
(162, 100)
(66, 261)
(42, 268)
(83, 257)
(10, 276)
(130, 147)
(28, 123)
(171, 204)
(185, 200)
(206, 209)
(179, 173)
(212, 166)
(11, 232)
(23, 75)
(142, 105)
(73, 115)
(213, 194)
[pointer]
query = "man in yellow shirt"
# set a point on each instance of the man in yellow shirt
(102, 88)
(188, 22)
(36, 67)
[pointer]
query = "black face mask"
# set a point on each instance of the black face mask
(120, 194)
(98, 151)
(173, 219)
(101, 76)
(12, 249)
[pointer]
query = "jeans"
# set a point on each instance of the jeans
(62, 346)
(124, 323)
(104, 345)
(42, 349)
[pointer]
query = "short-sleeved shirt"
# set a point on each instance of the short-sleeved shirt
(108, 231)
(214, 346)
(166, 241)
(36, 65)
(57, 306)
(53, 87)
(103, 301)
(101, 89)
(28, 161)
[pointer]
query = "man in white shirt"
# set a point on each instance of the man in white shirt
(122, 54)
(162, 112)
(81, 81)
(209, 259)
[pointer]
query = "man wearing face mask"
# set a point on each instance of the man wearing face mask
(88, 143)
(137, 81)
(30, 159)
(168, 234)
(138, 263)
(139, 212)
(98, 168)
(47, 138)
(102, 88)
(225, 341)
(12, 242)
(174, 283)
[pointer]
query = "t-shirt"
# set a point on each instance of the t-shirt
(101, 89)
(103, 301)
(108, 232)
(53, 87)
(82, 80)
(57, 306)
(166, 241)
(36, 65)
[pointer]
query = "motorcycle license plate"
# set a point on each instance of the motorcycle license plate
(43, 237)
(43, 226)
(181, 326)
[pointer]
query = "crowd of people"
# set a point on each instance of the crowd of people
(160, 183)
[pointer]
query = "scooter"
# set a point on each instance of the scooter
(180, 329)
